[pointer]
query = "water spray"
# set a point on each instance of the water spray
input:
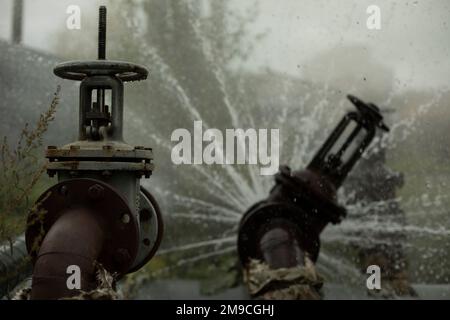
(283, 231)
(97, 214)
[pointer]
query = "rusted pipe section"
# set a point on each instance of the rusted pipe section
(76, 239)
(83, 223)
(283, 231)
(280, 245)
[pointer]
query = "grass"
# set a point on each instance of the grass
(21, 173)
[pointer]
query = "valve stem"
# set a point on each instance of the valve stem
(100, 105)
(102, 33)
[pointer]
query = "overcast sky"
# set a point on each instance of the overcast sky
(414, 40)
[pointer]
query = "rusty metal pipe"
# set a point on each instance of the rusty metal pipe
(76, 238)
(280, 246)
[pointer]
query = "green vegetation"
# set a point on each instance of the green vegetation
(21, 174)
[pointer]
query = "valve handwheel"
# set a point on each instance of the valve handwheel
(78, 70)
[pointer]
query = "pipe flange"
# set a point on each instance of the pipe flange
(119, 223)
(151, 229)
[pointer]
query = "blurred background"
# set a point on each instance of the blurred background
(250, 64)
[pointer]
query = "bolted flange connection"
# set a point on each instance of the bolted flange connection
(102, 200)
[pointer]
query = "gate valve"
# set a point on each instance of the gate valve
(285, 228)
(97, 213)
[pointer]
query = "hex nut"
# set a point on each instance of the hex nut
(96, 191)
